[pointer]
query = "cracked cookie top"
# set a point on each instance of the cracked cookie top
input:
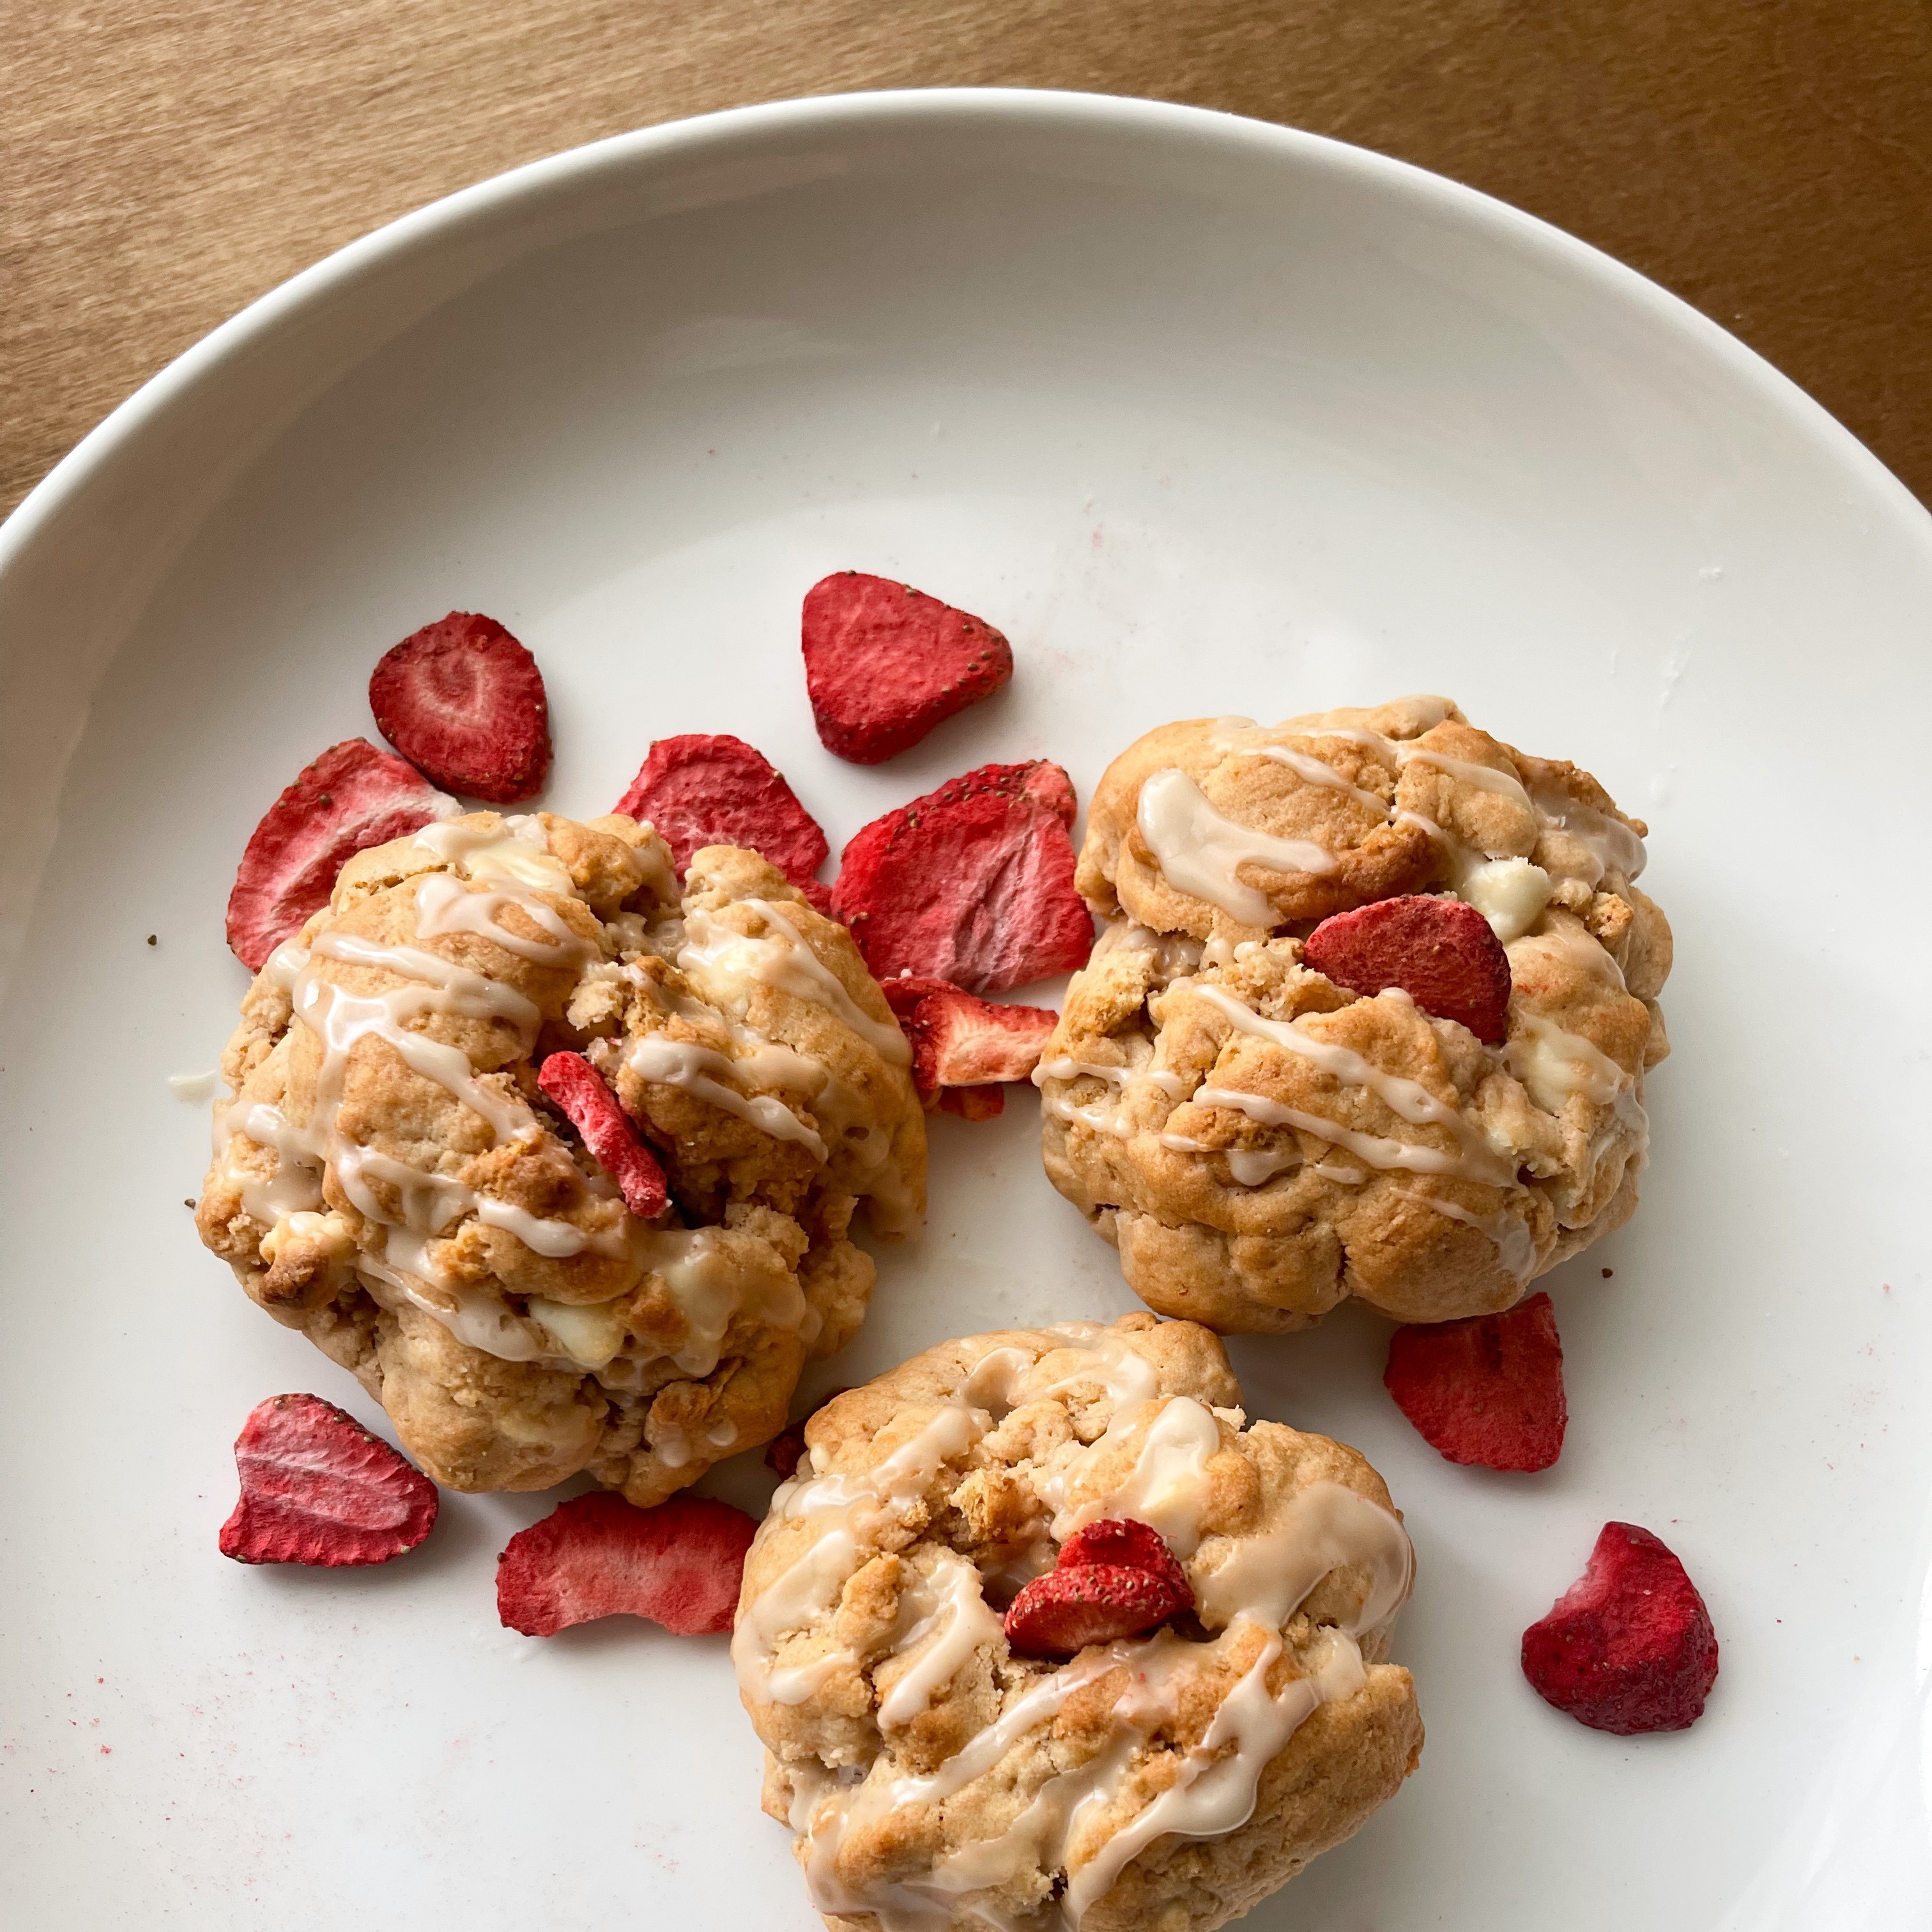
(935, 1777)
(1261, 1142)
(388, 1177)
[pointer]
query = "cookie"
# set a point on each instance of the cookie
(936, 1776)
(1261, 1140)
(390, 1178)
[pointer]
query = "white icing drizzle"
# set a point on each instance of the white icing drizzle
(953, 1621)
(1334, 1170)
(1553, 1063)
(1477, 1161)
(1200, 851)
(1515, 1245)
(1167, 1485)
(1101, 1120)
(711, 1287)
(703, 1072)
(1253, 1167)
(1248, 1587)
(721, 961)
(1610, 843)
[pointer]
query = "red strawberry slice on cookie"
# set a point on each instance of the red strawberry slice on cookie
(680, 1564)
(1628, 1648)
(885, 663)
(353, 796)
(462, 700)
(1443, 954)
(580, 1096)
(711, 789)
(318, 1489)
(1113, 1579)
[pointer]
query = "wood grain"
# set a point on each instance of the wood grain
(163, 163)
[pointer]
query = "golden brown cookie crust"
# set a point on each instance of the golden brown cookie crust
(1260, 1143)
(934, 1777)
(389, 1178)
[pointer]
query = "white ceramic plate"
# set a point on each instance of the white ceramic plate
(1208, 416)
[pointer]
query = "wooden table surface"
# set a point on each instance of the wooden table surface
(163, 163)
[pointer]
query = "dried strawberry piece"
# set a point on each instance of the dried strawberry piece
(1065, 1611)
(352, 797)
(680, 1564)
(592, 1108)
(1443, 954)
(1629, 1647)
(1487, 1390)
(1124, 1541)
(318, 1489)
(960, 1040)
(978, 891)
(885, 663)
(973, 1103)
(462, 700)
(709, 788)
(1039, 779)
(904, 994)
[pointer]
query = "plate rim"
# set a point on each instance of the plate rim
(424, 227)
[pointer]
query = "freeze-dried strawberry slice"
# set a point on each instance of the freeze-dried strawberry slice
(1039, 779)
(904, 994)
(464, 701)
(977, 890)
(960, 1040)
(680, 1564)
(885, 663)
(1487, 1390)
(1443, 954)
(318, 1489)
(1628, 1647)
(592, 1108)
(1133, 1545)
(1063, 1611)
(352, 797)
(709, 788)
(973, 1103)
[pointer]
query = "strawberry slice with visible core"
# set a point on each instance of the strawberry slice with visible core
(318, 1489)
(680, 1564)
(592, 1108)
(976, 890)
(462, 700)
(1487, 1390)
(1056, 1615)
(885, 663)
(1629, 1647)
(1443, 954)
(959, 1040)
(1126, 1541)
(352, 797)
(711, 789)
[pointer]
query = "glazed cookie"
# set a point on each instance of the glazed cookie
(1260, 1139)
(389, 1178)
(939, 1774)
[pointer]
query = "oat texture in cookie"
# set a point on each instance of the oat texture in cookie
(935, 1779)
(389, 1178)
(1260, 1140)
